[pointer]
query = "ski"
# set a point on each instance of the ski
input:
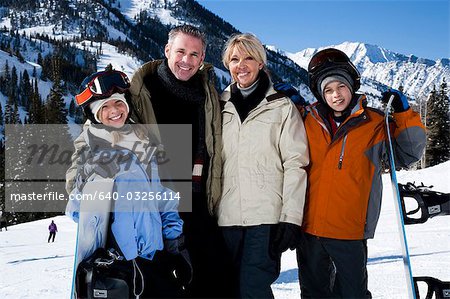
(398, 206)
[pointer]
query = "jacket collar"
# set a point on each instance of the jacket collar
(319, 111)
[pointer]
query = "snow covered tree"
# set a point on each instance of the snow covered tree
(11, 113)
(438, 127)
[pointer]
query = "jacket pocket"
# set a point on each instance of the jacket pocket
(226, 118)
(269, 118)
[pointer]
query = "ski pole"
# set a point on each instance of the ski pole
(398, 205)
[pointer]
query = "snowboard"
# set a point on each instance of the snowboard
(93, 220)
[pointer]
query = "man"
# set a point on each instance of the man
(180, 90)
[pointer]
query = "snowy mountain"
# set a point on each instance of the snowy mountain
(99, 30)
(380, 67)
(32, 268)
(126, 33)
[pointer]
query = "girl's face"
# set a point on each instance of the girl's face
(244, 68)
(338, 96)
(113, 113)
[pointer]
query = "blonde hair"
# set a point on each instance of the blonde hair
(247, 43)
(140, 130)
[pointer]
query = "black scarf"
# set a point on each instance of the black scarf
(190, 91)
(244, 106)
(175, 98)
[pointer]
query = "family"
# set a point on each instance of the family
(268, 174)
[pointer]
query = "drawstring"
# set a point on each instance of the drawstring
(135, 266)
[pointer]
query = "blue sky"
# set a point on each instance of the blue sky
(414, 27)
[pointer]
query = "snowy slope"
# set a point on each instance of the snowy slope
(32, 268)
(157, 8)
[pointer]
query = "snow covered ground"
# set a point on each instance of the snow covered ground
(32, 268)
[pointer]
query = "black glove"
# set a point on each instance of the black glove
(104, 165)
(289, 90)
(400, 102)
(286, 236)
(181, 259)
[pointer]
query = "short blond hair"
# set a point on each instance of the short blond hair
(247, 43)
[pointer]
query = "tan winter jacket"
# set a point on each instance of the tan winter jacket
(264, 181)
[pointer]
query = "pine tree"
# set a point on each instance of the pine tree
(13, 85)
(56, 112)
(72, 109)
(25, 90)
(6, 79)
(1, 117)
(36, 113)
(8, 119)
(438, 126)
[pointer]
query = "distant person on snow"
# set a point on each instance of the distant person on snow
(52, 229)
(3, 221)
(348, 150)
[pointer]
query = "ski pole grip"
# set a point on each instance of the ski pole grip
(389, 103)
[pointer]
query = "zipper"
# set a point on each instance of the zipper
(341, 156)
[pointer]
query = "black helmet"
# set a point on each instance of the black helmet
(329, 62)
(100, 85)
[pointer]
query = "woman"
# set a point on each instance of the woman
(264, 153)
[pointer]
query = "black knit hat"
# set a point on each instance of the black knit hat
(331, 62)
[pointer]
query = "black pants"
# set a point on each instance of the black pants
(331, 268)
(51, 236)
(255, 269)
(212, 269)
(159, 282)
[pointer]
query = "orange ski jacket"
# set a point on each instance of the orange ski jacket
(344, 177)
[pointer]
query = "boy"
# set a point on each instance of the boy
(348, 149)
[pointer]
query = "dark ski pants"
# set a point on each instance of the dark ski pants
(255, 268)
(331, 268)
(51, 236)
(211, 263)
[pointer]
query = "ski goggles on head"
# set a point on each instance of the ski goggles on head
(103, 84)
(327, 56)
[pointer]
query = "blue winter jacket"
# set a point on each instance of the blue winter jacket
(139, 226)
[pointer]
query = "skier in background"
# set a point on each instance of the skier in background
(52, 229)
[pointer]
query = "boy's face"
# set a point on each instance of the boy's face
(184, 56)
(113, 113)
(338, 96)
